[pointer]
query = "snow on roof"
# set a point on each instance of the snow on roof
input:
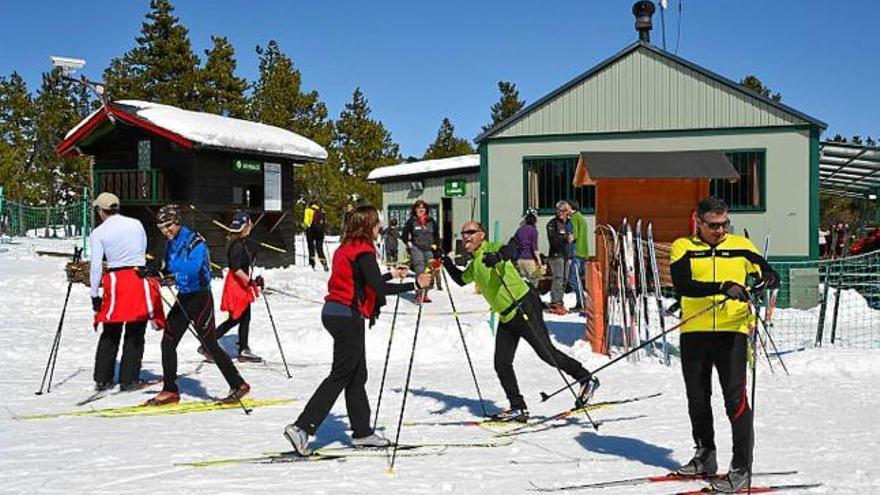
(219, 131)
(425, 166)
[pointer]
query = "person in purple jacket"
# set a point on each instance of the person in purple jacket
(528, 260)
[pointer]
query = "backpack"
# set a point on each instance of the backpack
(319, 219)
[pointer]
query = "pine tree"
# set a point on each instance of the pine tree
(752, 82)
(360, 144)
(222, 92)
(278, 98)
(162, 68)
(447, 145)
(16, 136)
(508, 105)
(58, 106)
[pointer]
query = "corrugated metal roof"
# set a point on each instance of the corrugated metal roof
(849, 169)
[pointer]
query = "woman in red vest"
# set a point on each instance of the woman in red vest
(356, 291)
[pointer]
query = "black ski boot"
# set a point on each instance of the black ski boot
(735, 480)
(512, 415)
(703, 463)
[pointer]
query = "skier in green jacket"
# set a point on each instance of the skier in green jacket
(580, 232)
(492, 269)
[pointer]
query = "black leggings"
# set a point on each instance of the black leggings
(727, 352)
(132, 352)
(315, 244)
(197, 308)
(534, 331)
(244, 325)
(349, 373)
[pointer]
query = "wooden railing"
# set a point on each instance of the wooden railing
(132, 185)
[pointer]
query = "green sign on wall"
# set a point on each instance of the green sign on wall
(454, 188)
(247, 166)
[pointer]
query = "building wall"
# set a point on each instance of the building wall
(645, 91)
(463, 208)
(787, 186)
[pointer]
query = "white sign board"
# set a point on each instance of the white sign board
(272, 186)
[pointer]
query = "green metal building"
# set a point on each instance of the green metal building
(646, 99)
(450, 186)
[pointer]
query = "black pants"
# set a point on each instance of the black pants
(727, 352)
(534, 331)
(315, 244)
(244, 325)
(132, 352)
(349, 373)
(198, 308)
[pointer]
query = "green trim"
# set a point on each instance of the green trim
(593, 136)
(484, 184)
(814, 193)
(525, 187)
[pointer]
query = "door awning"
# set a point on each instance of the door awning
(596, 165)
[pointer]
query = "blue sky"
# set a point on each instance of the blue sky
(418, 62)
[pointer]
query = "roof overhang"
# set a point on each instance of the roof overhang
(598, 165)
(849, 169)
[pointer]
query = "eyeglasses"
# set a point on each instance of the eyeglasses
(715, 225)
(469, 232)
(164, 225)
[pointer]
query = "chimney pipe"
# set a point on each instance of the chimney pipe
(643, 10)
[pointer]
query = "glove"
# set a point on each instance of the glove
(96, 304)
(770, 280)
(154, 268)
(258, 281)
(435, 264)
(735, 291)
(437, 253)
(492, 259)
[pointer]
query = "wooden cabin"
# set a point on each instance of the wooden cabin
(150, 155)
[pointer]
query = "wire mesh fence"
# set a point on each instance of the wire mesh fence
(829, 302)
(18, 220)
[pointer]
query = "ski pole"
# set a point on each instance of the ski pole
(463, 343)
(277, 339)
(56, 342)
(705, 310)
(385, 366)
(754, 367)
(191, 326)
(547, 344)
(412, 356)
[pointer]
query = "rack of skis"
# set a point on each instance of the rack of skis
(630, 273)
(633, 276)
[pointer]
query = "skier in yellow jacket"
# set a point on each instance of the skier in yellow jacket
(709, 267)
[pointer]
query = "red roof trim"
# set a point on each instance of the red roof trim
(143, 124)
(65, 147)
(68, 145)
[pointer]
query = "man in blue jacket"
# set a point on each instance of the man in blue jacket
(188, 260)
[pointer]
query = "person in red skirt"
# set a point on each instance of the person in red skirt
(127, 299)
(240, 288)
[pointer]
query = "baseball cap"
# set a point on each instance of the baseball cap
(106, 201)
(239, 220)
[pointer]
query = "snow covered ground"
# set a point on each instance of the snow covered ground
(821, 420)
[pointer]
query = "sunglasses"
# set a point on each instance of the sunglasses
(470, 232)
(164, 225)
(716, 225)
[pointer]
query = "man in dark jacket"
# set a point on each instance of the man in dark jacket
(559, 239)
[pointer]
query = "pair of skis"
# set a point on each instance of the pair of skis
(339, 453)
(645, 480)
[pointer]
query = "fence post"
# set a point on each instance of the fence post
(84, 229)
(837, 301)
(823, 305)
